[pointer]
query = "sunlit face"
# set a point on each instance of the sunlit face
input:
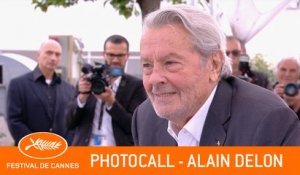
(175, 79)
(233, 48)
(287, 71)
(49, 56)
(116, 55)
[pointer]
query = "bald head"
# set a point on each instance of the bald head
(49, 42)
(49, 56)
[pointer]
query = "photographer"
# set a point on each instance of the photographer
(240, 64)
(102, 112)
(288, 71)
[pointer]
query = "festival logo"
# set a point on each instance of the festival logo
(42, 145)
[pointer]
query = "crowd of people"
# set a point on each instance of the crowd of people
(198, 88)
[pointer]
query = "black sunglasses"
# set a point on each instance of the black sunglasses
(235, 53)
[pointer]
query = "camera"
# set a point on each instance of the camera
(99, 75)
(244, 67)
(244, 64)
(291, 89)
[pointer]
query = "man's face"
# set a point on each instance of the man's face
(234, 51)
(116, 55)
(287, 71)
(175, 79)
(49, 56)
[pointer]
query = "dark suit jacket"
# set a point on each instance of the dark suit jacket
(241, 114)
(129, 95)
(261, 79)
(27, 108)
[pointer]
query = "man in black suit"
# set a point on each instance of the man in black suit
(105, 119)
(37, 100)
(241, 68)
(193, 99)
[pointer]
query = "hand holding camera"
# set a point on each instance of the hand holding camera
(291, 89)
(107, 96)
(96, 80)
(84, 88)
(289, 93)
(98, 76)
(292, 96)
(279, 89)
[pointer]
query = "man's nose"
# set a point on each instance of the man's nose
(157, 75)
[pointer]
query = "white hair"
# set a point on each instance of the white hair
(204, 32)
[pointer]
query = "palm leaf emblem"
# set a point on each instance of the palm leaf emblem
(43, 145)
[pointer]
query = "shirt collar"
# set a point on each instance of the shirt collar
(38, 75)
(116, 84)
(195, 125)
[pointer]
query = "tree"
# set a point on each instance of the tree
(125, 7)
(259, 63)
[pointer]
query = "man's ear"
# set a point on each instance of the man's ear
(216, 64)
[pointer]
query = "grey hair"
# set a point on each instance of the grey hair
(204, 32)
(291, 58)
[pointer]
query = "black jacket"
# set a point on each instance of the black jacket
(27, 106)
(241, 114)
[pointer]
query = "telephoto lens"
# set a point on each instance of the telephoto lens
(291, 89)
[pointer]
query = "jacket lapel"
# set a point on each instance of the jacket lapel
(165, 139)
(121, 90)
(214, 130)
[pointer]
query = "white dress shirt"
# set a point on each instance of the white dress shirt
(190, 134)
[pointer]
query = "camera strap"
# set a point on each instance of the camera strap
(101, 114)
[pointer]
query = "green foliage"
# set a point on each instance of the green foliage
(125, 7)
(260, 64)
(44, 4)
(177, 1)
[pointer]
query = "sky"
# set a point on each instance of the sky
(24, 28)
(280, 38)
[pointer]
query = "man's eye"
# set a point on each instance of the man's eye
(173, 66)
(146, 65)
(170, 62)
(147, 68)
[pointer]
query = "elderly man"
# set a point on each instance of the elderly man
(193, 99)
(288, 71)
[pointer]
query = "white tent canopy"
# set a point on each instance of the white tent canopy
(244, 18)
(247, 20)
(28, 62)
